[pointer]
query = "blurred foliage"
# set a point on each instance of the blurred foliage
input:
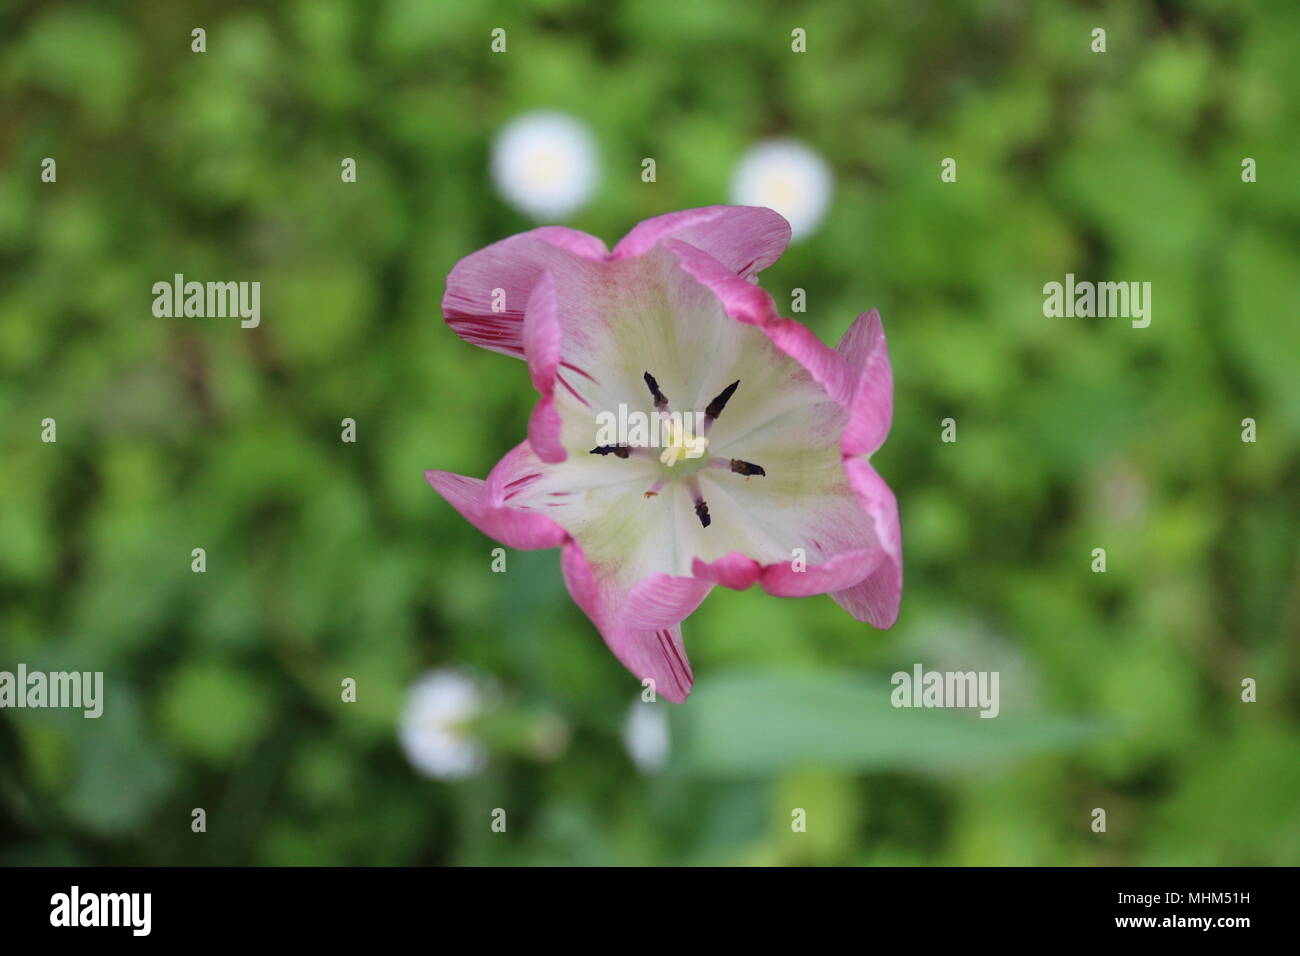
(328, 560)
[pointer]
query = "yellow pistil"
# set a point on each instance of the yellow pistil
(682, 443)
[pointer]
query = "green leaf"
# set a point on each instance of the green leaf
(756, 724)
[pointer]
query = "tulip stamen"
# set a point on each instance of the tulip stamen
(702, 512)
(737, 466)
(681, 443)
(746, 468)
(701, 506)
(660, 399)
(715, 407)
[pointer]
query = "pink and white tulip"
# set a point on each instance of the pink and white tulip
(672, 320)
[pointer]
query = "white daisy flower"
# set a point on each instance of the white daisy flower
(645, 735)
(545, 164)
(432, 731)
(787, 176)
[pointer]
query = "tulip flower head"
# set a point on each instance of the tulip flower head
(761, 471)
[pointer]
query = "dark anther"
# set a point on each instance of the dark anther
(661, 400)
(718, 404)
(746, 467)
(702, 512)
(622, 451)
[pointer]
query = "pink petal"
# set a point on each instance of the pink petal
(744, 239)
(513, 265)
(541, 334)
(642, 627)
(871, 409)
(511, 526)
(579, 243)
(748, 303)
(876, 598)
(843, 570)
(512, 475)
(544, 430)
(541, 339)
(735, 570)
(662, 601)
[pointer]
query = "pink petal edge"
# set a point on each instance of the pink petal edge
(655, 653)
(876, 598)
(743, 239)
(513, 265)
(748, 303)
(871, 409)
(541, 341)
(511, 526)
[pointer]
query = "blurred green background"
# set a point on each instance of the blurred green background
(328, 560)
